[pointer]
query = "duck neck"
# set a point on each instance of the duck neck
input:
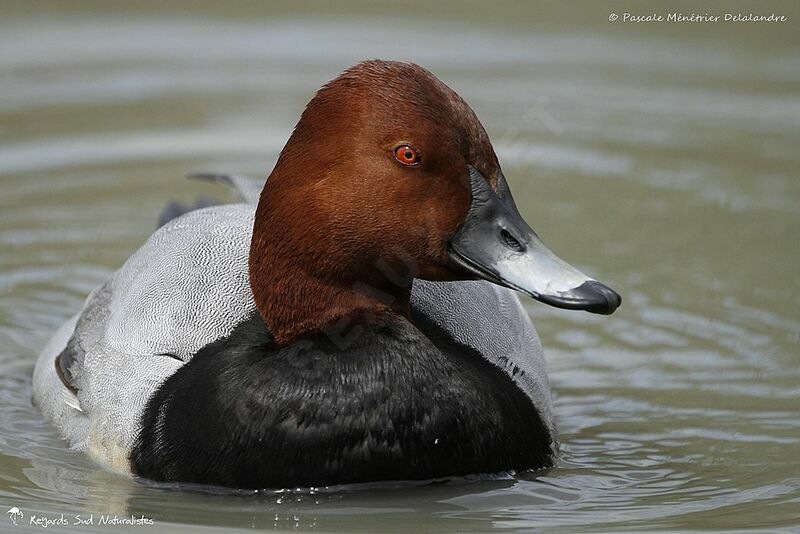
(304, 283)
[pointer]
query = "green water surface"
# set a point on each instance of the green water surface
(661, 158)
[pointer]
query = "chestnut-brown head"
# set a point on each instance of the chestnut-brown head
(382, 181)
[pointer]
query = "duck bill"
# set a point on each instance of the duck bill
(496, 244)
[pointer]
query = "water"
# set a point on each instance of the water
(660, 159)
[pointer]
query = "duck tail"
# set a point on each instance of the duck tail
(175, 209)
(247, 190)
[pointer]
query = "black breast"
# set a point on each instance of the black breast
(394, 404)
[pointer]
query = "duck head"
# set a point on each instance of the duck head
(390, 176)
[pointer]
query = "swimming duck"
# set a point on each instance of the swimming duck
(355, 322)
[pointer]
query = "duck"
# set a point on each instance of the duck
(352, 319)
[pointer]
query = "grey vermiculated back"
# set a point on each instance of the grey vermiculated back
(184, 288)
(187, 286)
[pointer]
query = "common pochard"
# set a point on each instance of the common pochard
(353, 324)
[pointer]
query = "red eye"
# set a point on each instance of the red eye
(406, 154)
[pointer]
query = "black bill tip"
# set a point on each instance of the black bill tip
(591, 296)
